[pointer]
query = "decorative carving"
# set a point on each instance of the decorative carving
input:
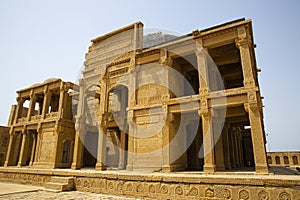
(226, 194)
(243, 195)
(164, 189)
(120, 186)
(110, 185)
(193, 192)
(209, 192)
(129, 187)
(219, 33)
(263, 195)
(151, 189)
(284, 196)
(178, 190)
(140, 187)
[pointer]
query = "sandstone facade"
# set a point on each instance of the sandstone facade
(42, 134)
(4, 139)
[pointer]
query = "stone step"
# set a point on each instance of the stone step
(61, 179)
(60, 184)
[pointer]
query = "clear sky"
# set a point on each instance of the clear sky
(44, 39)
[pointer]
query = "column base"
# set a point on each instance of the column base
(76, 166)
(172, 168)
(6, 164)
(100, 167)
(261, 169)
(209, 169)
(129, 167)
(121, 166)
(220, 167)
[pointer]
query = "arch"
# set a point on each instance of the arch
(286, 160)
(277, 160)
(295, 160)
(269, 160)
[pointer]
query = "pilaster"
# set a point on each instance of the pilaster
(208, 144)
(257, 135)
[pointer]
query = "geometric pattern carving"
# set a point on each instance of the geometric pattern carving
(284, 196)
(178, 190)
(164, 189)
(151, 189)
(193, 192)
(243, 195)
(226, 194)
(209, 192)
(263, 195)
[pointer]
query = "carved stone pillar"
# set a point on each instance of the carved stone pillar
(243, 43)
(78, 145)
(231, 147)
(80, 128)
(33, 149)
(46, 103)
(101, 155)
(19, 109)
(203, 73)
(122, 150)
(131, 136)
(258, 139)
(23, 150)
(167, 137)
(208, 144)
(9, 155)
(226, 146)
(31, 105)
(219, 152)
(62, 100)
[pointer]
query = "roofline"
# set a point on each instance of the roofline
(206, 31)
(126, 28)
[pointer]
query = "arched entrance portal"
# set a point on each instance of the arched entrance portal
(117, 143)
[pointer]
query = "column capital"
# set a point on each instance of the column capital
(62, 87)
(81, 82)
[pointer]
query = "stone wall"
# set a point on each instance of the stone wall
(4, 138)
(167, 186)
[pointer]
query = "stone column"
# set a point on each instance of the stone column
(19, 109)
(208, 144)
(80, 128)
(122, 150)
(31, 105)
(226, 146)
(203, 73)
(33, 149)
(254, 105)
(231, 145)
(167, 137)
(218, 140)
(23, 150)
(62, 100)
(258, 139)
(9, 155)
(101, 155)
(46, 103)
(132, 131)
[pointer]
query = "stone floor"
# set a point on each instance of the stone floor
(20, 191)
(74, 195)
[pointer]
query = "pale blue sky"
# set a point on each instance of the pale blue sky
(43, 39)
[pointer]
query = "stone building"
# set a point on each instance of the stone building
(152, 103)
(289, 159)
(4, 138)
(42, 127)
(207, 93)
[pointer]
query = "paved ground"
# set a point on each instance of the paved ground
(19, 191)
